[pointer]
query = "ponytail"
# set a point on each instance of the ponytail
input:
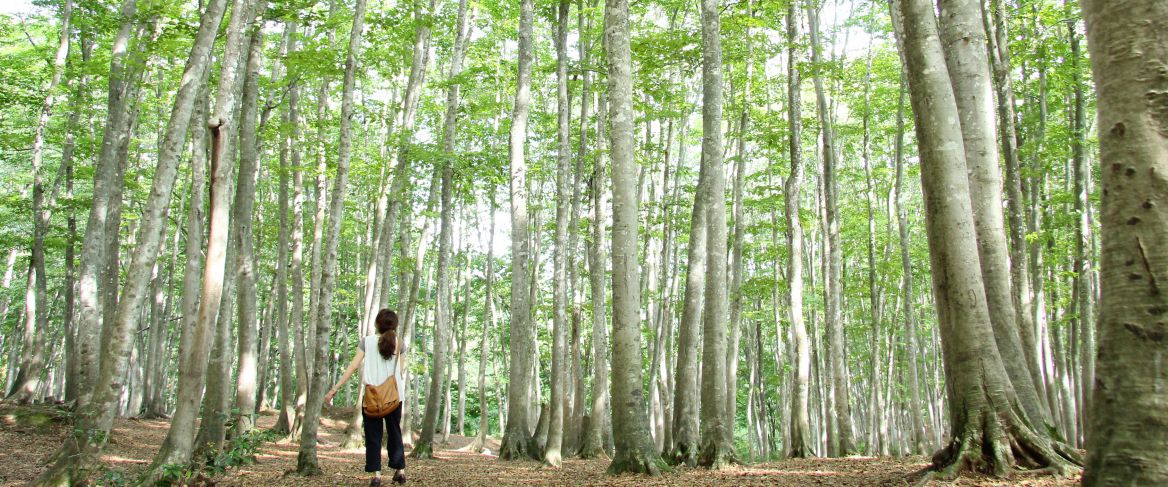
(387, 328)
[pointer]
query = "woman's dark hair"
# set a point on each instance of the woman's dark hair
(387, 328)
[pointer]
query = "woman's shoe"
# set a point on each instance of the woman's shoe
(375, 482)
(399, 478)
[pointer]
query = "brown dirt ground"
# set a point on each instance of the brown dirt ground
(26, 444)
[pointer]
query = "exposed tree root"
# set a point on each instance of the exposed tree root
(717, 454)
(514, 448)
(997, 446)
(308, 467)
(476, 445)
(800, 450)
(423, 450)
(592, 449)
(684, 454)
(354, 435)
(154, 415)
(639, 461)
(553, 460)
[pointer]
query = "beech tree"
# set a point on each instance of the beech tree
(443, 321)
(517, 435)
(306, 461)
(630, 425)
(988, 432)
(1123, 440)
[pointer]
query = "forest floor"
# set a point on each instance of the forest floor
(29, 436)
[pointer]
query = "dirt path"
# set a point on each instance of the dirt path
(27, 440)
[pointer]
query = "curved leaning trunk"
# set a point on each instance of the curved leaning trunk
(989, 433)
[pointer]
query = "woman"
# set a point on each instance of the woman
(377, 368)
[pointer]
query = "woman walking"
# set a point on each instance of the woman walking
(377, 368)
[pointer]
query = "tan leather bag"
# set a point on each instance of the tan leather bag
(382, 399)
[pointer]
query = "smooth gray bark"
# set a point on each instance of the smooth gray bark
(488, 322)
(918, 435)
(635, 452)
(289, 161)
(717, 442)
(77, 457)
(833, 280)
(736, 266)
(594, 434)
(686, 437)
(245, 196)
(306, 460)
(963, 38)
(516, 436)
(216, 408)
(443, 323)
(1083, 268)
(551, 453)
(32, 364)
(1015, 202)
(988, 431)
(799, 442)
(1126, 439)
(94, 258)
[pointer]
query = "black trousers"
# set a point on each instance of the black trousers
(374, 428)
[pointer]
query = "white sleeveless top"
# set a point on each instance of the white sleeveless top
(375, 369)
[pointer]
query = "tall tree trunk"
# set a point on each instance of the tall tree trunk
(77, 457)
(216, 408)
(594, 435)
(289, 154)
(969, 72)
(153, 404)
(72, 362)
(686, 437)
(318, 222)
(551, 453)
(306, 461)
(878, 442)
(480, 440)
(736, 269)
(717, 443)
(799, 444)
(1082, 258)
(1126, 439)
(36, 306)
(462, 338)
(1015, 203)
(94, 258)
(401, 173)
(516, 436)
(293, 407)
(409, 299)
(245, 392)
(443, 323)
(669, 277)
(987, 431)
(919, 435)
(194, 342)
(575, 425)
(835, 323)
(634, 447)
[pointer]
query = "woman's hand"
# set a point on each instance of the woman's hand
(328, 398)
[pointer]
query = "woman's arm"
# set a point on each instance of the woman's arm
(328, 398)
